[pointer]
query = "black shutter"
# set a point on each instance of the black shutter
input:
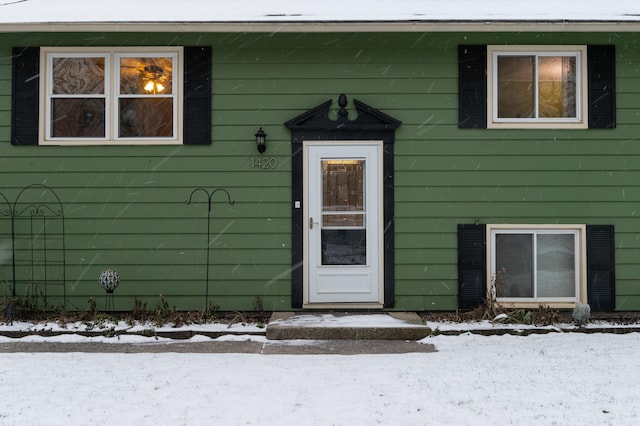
(602, 87)
(600, 267)
(472, 266)
(197, 95)
(472, 86)
(24, 99)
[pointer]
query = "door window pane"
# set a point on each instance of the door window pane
(343, 193)
(344, 247)
(342, 220)
(342, 185)
(343, 201)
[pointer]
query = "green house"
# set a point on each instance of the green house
(289, 155)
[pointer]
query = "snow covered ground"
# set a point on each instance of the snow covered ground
(557, 378)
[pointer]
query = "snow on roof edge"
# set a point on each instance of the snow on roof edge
(328, 26)
(312, 12)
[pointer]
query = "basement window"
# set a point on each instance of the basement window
(533, 265)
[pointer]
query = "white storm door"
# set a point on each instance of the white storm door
(343, 223)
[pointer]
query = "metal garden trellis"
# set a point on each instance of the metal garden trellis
(209, 199)
(8, 248)
(43, 250)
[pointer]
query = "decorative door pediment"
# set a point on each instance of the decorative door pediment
(368, 119)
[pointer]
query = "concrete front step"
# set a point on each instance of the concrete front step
(346, 326)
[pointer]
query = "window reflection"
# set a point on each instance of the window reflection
(557, 86)
(535, 264)
(343, 185)
(514, 256)
(88, 98)
(145, 117)
(536, 86)
(75, 76)
(344, 247)
(515, 86)
(78, 98)
(146, 76)
(343, 215)
(78, 118)
(145, 105)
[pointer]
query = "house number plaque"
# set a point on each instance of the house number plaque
(264, 162)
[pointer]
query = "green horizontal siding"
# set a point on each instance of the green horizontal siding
(125, 207)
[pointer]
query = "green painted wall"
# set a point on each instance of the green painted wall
(125, 206)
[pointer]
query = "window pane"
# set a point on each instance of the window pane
(556, 265)
(557, 86)
(514, 256)
(146, 76)
(342, 220)
(77, 118)
(145, 117)
(343, 185)
(344, 247)
(75, 76)
(343, 206)
(515, 86)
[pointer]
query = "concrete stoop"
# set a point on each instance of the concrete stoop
(346, 326)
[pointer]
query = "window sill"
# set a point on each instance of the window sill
(536, 305)
(540, 125)
(111, 142)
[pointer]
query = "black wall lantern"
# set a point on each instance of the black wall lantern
(261, 138)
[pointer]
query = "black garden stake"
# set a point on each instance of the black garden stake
(209, 199)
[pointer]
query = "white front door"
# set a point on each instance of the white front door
(343, 222)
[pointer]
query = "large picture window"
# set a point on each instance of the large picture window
(537, 264)
(537, 86)
(111, 96)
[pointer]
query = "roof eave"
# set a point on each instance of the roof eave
(329, 26)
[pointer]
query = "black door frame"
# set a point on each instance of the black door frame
(315, 125)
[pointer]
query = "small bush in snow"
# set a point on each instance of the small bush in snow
(581, 314)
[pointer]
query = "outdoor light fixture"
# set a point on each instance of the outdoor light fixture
(261, 139)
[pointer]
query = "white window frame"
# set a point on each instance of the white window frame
(112, 94)
(579, 232)
(578, 122)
